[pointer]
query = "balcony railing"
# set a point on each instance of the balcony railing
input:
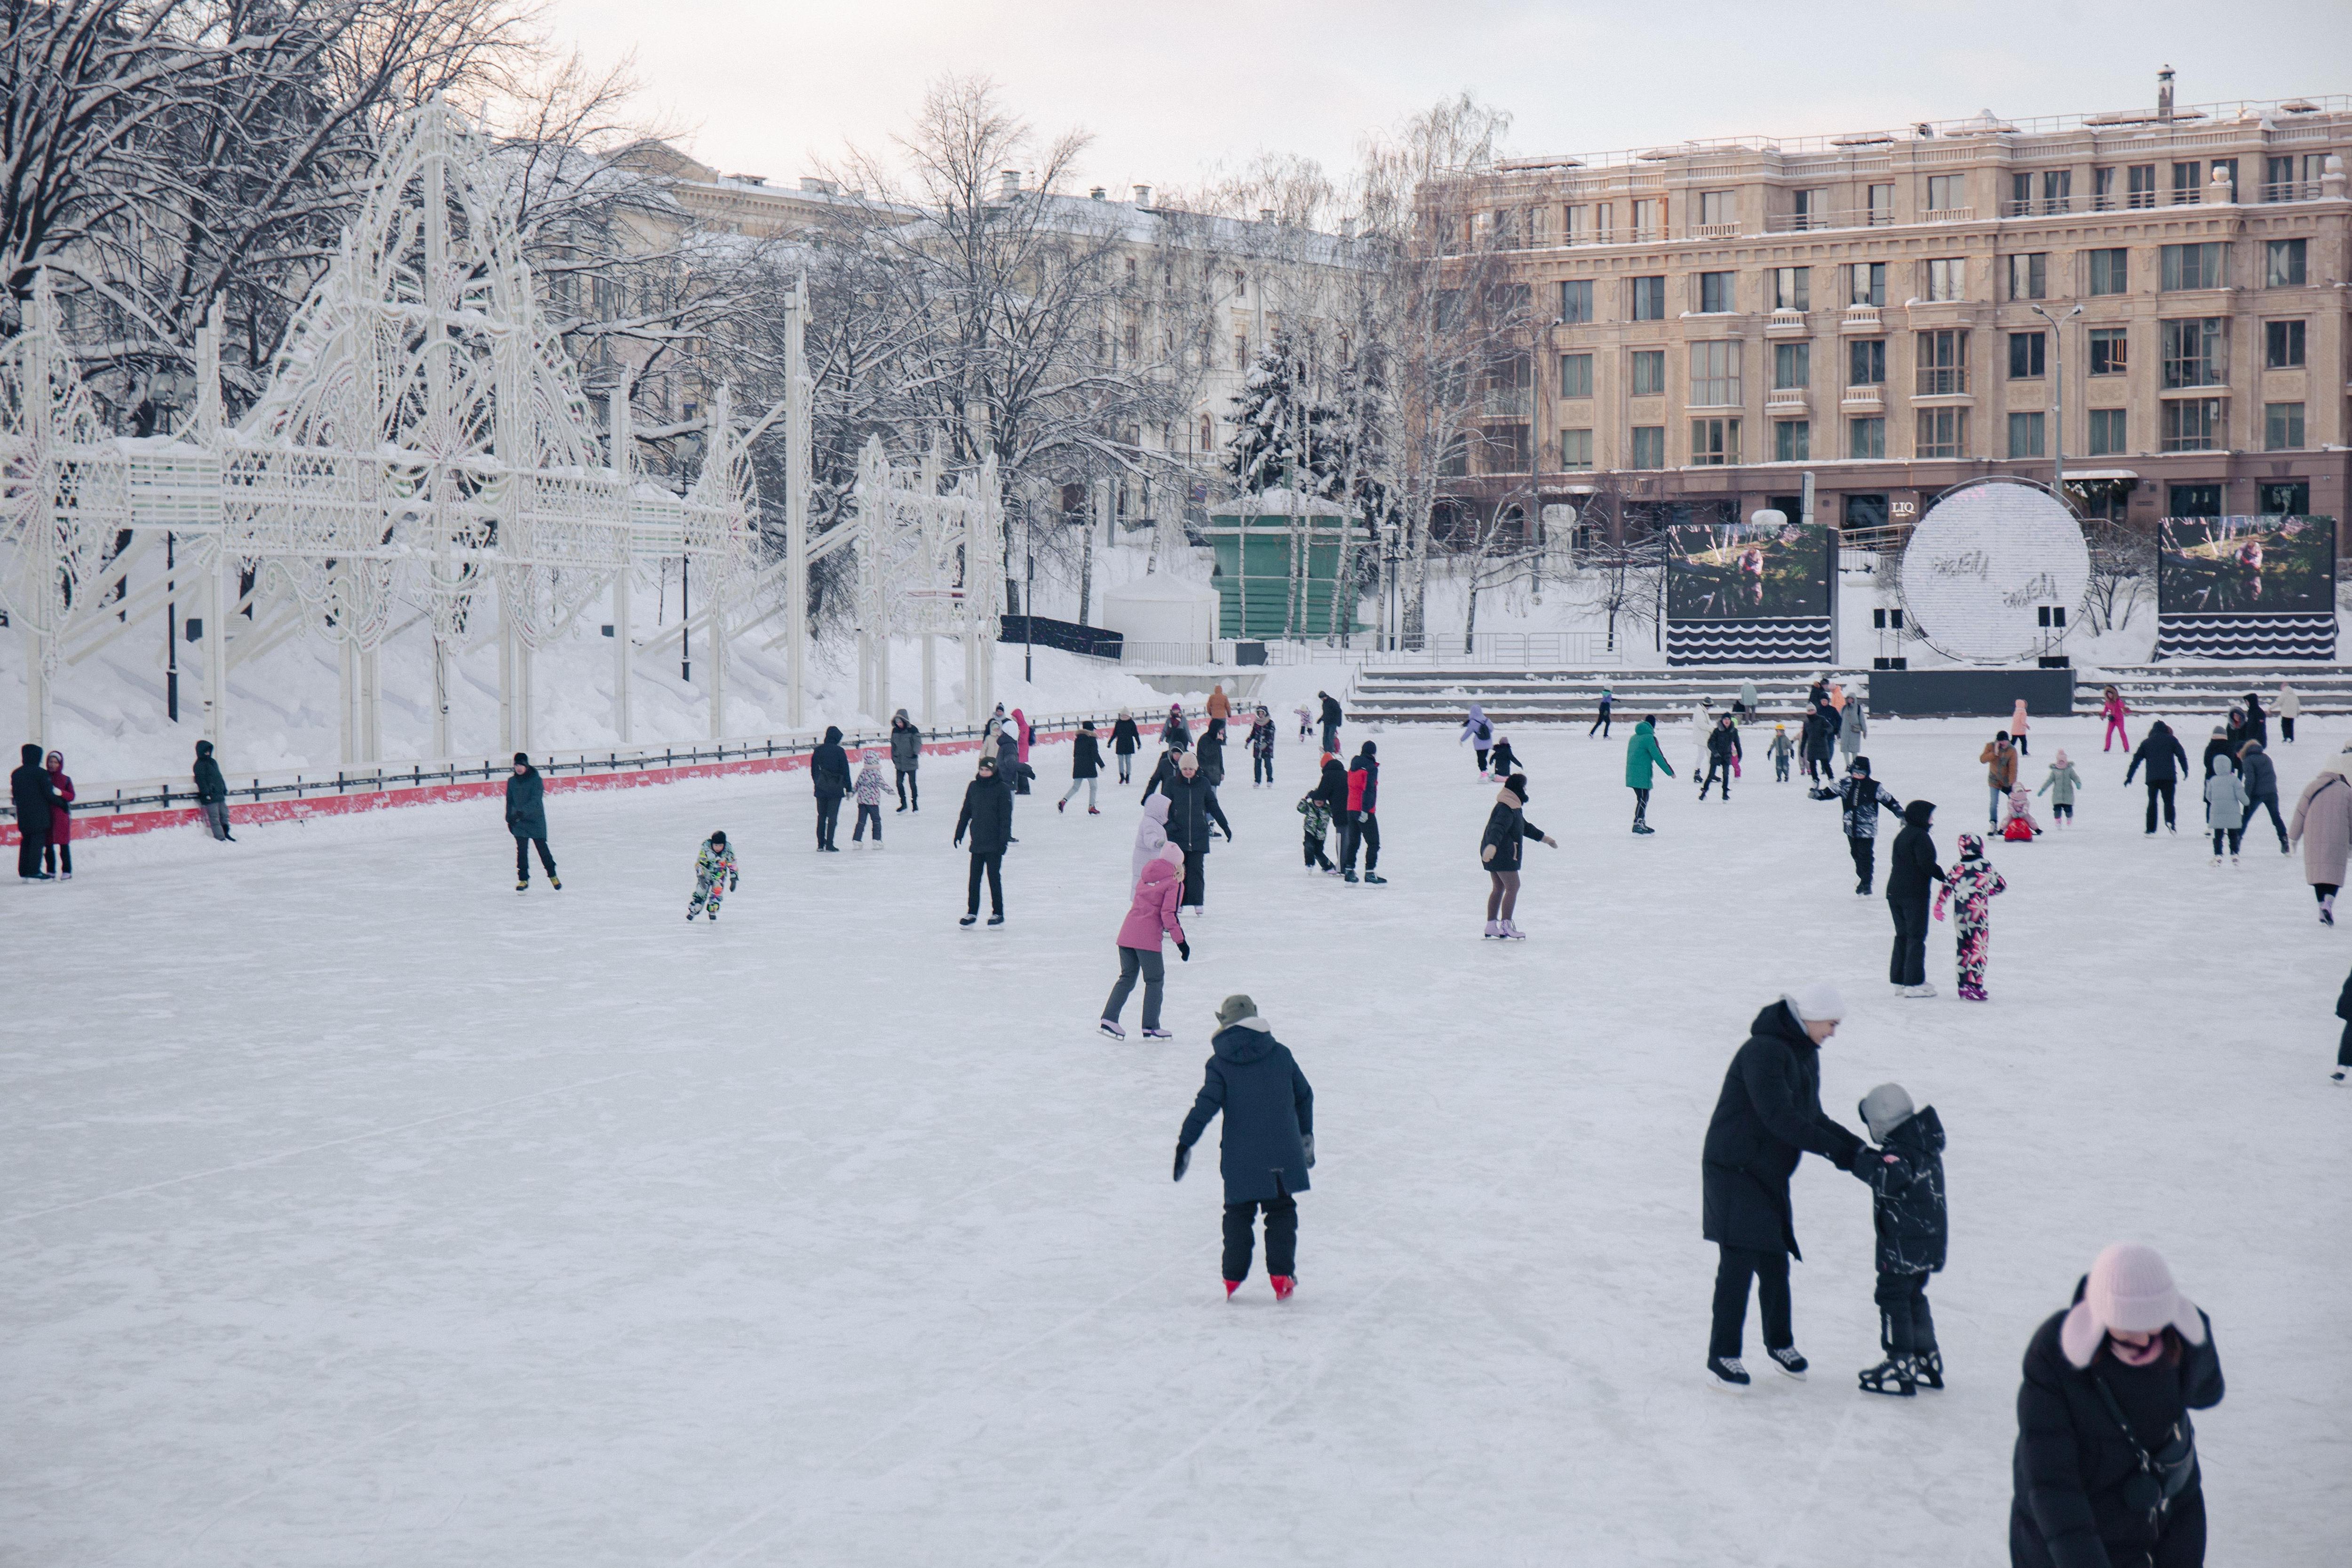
(2291, 190)
(1949, 215)
(1943, 380)
(2037, 206)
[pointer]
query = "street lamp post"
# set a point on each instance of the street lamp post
(2058, 392)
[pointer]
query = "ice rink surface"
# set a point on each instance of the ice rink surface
(359, 1211)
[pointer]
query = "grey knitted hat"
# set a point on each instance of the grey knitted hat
(1885, 1109)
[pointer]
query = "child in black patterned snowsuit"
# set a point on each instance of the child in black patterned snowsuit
(714, 866)
(1973, 885)
(1905, 1175)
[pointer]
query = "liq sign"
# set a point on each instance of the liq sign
(1985, 567)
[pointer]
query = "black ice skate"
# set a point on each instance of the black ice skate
(1928, 1366)
(1788, 1362)
(1726, 1373)
(1894, 1375)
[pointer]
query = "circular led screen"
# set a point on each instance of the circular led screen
(1986, 563)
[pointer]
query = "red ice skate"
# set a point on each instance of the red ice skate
(1232, 1286)
(1284, 1285)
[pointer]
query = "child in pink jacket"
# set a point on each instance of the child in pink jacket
(1150, 918)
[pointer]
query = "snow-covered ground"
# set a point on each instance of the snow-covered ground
(361, 1210)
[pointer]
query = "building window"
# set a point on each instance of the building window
(1715, 293)
(1946, 193)
(2026, 351)
(2108, 432)
(1948, 277)
(1507, 449)
(1576, 301)
(2025, 436)
(1649, 219)
(2110, 270)
(2282, 263)
(1943, 362)
(2108, 351)
(1453, 463)
(1943, 433)
(1792, 287)
(1865, 437)
(1241, 285)
(1715, 442)
(1576, 375)
(1718, 207)
(2202, 266)
(1879, 207)
(1792, 367)
(2283, 181)
(2282, 346)
(2282, 427)
(2102, 189)
(1808, 209)
(1792, 441)
(1649, 445)
(2142, 185)
(2193, 424)
(1575, 450)
(1650, 298)
(2029, 276)
(1241, 351)
(1649, 373)
(2187, 183)
(1208, 433)
(1714, 375)
(2057, 190)
(1866, 283)
(1604, 214)
(1573, 221)
(1865, 361)
(2196, 352)
(2021, 196)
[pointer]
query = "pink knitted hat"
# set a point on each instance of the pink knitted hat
(2130, 1288)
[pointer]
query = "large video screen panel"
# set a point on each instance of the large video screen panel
(1736, 571)
(2245, 565)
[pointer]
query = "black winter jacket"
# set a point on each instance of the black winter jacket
(1192, 807)
(1723, 743)
(1085, 756)
(2159, 749)
(1907, 1197)
(1124, 738)
(1911, 865)
(2073, 1462)
(906, 747)
(527, 805)
(2219, 746)
(1333, 789)
(1332, 714)
(1863, 797)
(1505, 760)
(1507, 828)
(30, 792)
(1164, 774)
(829, 766)
(1211, 751)
(2262, 777)
(1269, 1113)
(987, 815)
(1768, 1116)
(210, 786)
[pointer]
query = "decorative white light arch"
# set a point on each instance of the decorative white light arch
(931, 562)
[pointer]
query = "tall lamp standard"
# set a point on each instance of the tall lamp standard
(2058, 392)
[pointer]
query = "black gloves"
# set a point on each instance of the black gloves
(733, 883)
(1184, 951)
(1183, 1159)
(1309, 1140)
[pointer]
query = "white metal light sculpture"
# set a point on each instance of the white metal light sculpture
(930, 563)
(1986, 562)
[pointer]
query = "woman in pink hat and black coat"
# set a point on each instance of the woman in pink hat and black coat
(2106, 1467)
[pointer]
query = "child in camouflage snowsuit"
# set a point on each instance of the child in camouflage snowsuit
(714, 866)
(1973, 885)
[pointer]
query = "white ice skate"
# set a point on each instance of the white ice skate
(1512, 930)
(1922, 989)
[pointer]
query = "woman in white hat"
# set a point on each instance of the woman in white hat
(2105, 1467)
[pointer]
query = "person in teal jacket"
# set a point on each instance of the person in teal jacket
(1641, 754)
(2060, 785)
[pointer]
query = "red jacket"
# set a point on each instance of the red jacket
(1363, 793)
(60, 819)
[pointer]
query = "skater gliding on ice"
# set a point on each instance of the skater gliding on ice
(1361, 827)
(1268, 1144)
(1642, 756)
(1126, 740)
(1911, 868)
(906, 757)
(1086, 764)
(2060, 785)
(1507, 828)
(212, 791)
(1151, 915)
(2161, 753)
(1480, 734)
(1862, 798)
(1780, 751)
(987, 815)
(527, 820)
(1261, 749)
(1906, 1178)
(2225, 806)
(32, 793)
(869, 790)
(1151, 838)
(1971, 887)
(1722, 752)
(2322, 829)
(713, 863)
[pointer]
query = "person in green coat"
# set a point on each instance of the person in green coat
(2060, 787)
(1641, 754)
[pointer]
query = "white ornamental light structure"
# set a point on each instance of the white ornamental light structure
(1984, 566)
(423, 446)
(930, 563)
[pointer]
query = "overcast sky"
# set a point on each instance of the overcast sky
(1168, 91)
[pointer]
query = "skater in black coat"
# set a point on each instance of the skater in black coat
(1164, 772)
(1911, 872)
(2106, 1471)
(1331, 721)
(1722, 746)
(1192, 807)
(829, 773)
(1268, 1144)
(212, 791)
(34, 798)
(1085, 764)
(527, 820)
(1767, 1117)
(1864, 796)
(987, 815)
(2160, 751)
(2261, 787)
(1126, 740)
(1211, 751)
(1507, 828)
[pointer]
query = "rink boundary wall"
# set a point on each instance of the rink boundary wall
(146, 806)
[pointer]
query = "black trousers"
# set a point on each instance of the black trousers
(36, 838)
(2160, 788)
(2287, 728)
(1732, 1270)
(1148, 962)
(2269, 802)
(1909, 964)
(1331, 738)
(2344, 1048)
(1363, 832)
(994, 864)
(1641, 804)
(909, 791)
(1281, 1237)
(1314, 846)
(1865, 858)
(1906, 1327)
(866, 813)
(522, 858)
(1196, 878)
(828, 819)
(1482, 757)
(1260, 767)
(1601, 724)
(57, 856)
(1716, 770)
(2233, 834)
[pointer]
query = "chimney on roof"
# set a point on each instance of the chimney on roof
(2164, 94)
(1266, 214)
(813, 185)
(1098, 194)
(1009, 183)
(1143, 195)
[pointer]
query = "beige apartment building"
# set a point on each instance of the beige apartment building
(2162, 294)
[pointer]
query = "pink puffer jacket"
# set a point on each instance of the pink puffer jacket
(1154, 910)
